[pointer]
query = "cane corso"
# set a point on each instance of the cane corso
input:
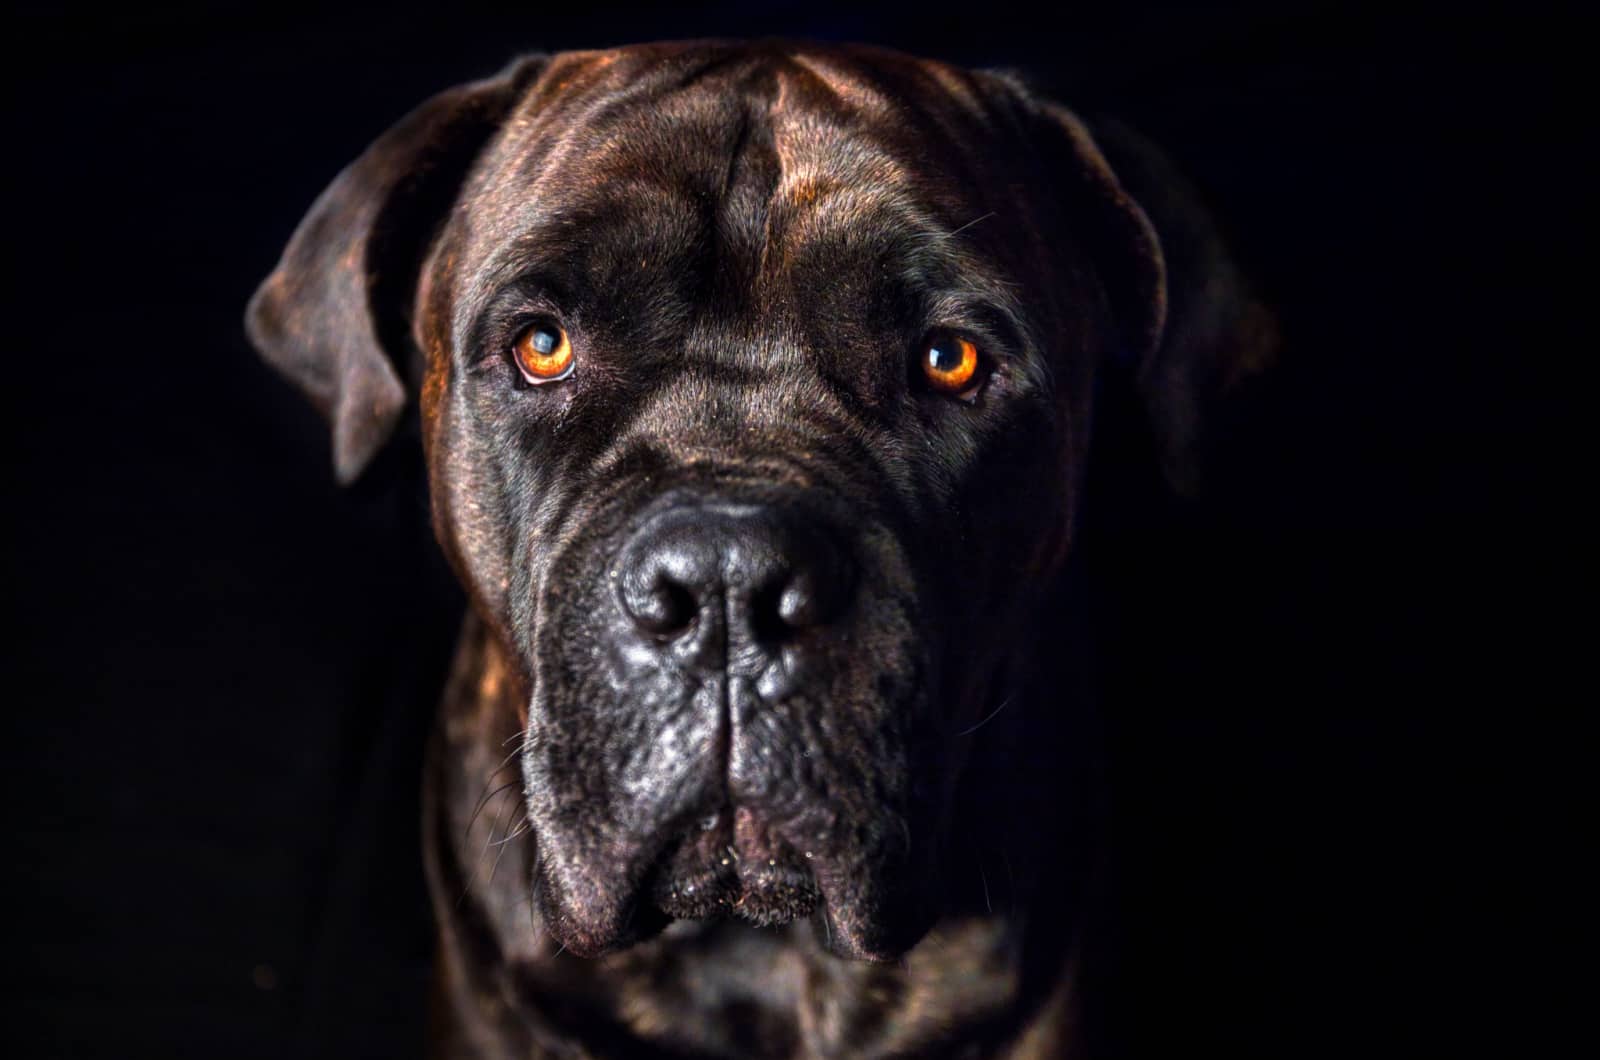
(755, 385)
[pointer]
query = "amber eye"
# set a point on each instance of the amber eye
(950, 364)
(544, 354)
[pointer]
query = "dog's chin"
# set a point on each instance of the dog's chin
(717, 874)
(720, 872)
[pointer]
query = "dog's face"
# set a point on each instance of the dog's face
(755, 388)
(745, 408)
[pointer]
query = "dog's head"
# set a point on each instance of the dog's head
(755, 389)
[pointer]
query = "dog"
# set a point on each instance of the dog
(756, 383)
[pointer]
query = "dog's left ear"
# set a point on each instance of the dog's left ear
(331, 316)
(1216, 333)
(1189, 326)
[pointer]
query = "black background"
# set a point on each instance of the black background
(1324, 679)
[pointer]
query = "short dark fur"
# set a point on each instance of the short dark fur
(867, 841)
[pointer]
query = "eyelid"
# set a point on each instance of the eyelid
(995, 335)
(995, 326)
(511, 310)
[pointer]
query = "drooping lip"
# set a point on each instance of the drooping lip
(859, 911)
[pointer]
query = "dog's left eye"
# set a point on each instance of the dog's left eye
(952, 364)
(543, 353)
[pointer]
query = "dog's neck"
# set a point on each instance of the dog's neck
(994, 977)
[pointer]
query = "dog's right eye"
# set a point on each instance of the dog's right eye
(543, 353)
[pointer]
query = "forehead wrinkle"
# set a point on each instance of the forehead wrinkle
(839, 178)
(550, 228)
(838, 171)
(623, 140)
(836, 178)
(948, 98)
(525, 143)
(880, 214)
(812, 130)
(608, 126)
(848, 86)
(565, 117)
(621, 156)
(847, 183)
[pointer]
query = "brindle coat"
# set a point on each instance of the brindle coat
(871, 835)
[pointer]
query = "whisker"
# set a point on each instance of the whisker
(515, 751)
(487, 794)
(521, 828)
(1003, 704)
(969, 224)
(484, 802)
(494, 868)
(477, 863)
(498, 855)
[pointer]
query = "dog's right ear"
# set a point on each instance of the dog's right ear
(332, 316)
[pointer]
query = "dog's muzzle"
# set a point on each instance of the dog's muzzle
(738, 596)
(734, 751)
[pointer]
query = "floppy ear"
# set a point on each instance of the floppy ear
(332, 316)
(1216, 332)
(1188, 325)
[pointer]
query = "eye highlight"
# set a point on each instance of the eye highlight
(543, 353)
(951, 364)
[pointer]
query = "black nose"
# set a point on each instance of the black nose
(765, 571)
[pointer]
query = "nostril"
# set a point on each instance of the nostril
(801, 601)
(821, 587)
(767, 624)
(660, 605)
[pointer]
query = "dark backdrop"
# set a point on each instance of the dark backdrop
(222, 667)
